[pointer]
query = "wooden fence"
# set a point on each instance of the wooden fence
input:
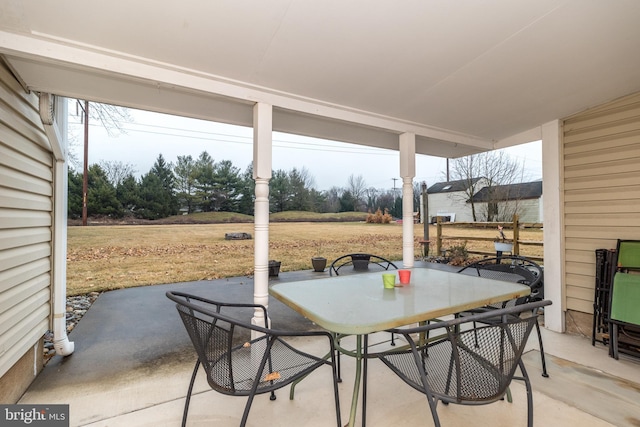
(515, 226)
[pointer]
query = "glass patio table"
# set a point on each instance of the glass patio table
(359, 305)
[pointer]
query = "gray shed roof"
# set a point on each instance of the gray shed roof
(501, 193)
(451, 186)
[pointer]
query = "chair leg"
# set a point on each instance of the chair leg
(525, 378)
(247, 407)
(544, 363)
(188, 399)
(252, 394)
(336, 394)
(613, 340)
(433, 403)
(337, 354)
(527, 383)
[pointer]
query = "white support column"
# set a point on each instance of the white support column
(407, 172)
(262, 143)
(553, 233)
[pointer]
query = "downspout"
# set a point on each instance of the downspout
(56, 108)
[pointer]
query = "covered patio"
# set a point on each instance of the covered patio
(425, 78)
(123, 375)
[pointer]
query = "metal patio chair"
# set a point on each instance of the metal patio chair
(361, 263)
(467, 365)
(236, 364)
(515, 269)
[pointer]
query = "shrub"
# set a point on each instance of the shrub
(458, 254)
(379, 217)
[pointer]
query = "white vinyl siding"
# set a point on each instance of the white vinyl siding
(454, 202)
(26, 191)
(527, 210)
(601, 190)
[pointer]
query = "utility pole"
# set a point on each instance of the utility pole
(447, 169)
(394, 184)
(85, 178)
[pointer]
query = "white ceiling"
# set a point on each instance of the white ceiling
(464, 75)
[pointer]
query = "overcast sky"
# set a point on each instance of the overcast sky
(329, 163)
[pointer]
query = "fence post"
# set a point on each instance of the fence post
(438, 235)
(516, 235)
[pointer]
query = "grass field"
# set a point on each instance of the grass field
(103, 258)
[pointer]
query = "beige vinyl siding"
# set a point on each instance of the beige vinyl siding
(26, 191)
(601, 190)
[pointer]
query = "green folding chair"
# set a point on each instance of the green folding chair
(624, 318)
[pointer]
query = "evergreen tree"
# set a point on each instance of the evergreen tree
(128, 194)
(396, 212)
(184, 171)
(205, 182)
(279, 191)
(164, 172)
(246, 192)
(154, 201)
(347, 202)
(101, 195)
(318, 201)
(299, 196)
(227, 185)
(74, 194)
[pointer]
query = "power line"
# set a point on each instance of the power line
(212, 136)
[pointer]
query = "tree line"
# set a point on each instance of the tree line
(204, 185)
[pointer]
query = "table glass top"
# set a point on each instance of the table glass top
(359, 304)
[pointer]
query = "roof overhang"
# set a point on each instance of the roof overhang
(464, 77)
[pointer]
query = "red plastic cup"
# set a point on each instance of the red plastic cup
(405, 276)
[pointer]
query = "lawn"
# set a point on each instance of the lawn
(103, 258)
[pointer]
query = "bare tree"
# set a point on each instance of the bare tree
(332, 202)
(111, 117)
(116, 170)
(305, 176)
(357, 188)
(372, 198)
(489, 169)
(467, 170)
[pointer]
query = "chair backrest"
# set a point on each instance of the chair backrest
(219, 339)
(360, 262)
(475, 361)
(625, 293)
(628, 254)
(515, 269)
(625, 298)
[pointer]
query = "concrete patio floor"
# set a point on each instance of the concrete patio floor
(133, 362)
